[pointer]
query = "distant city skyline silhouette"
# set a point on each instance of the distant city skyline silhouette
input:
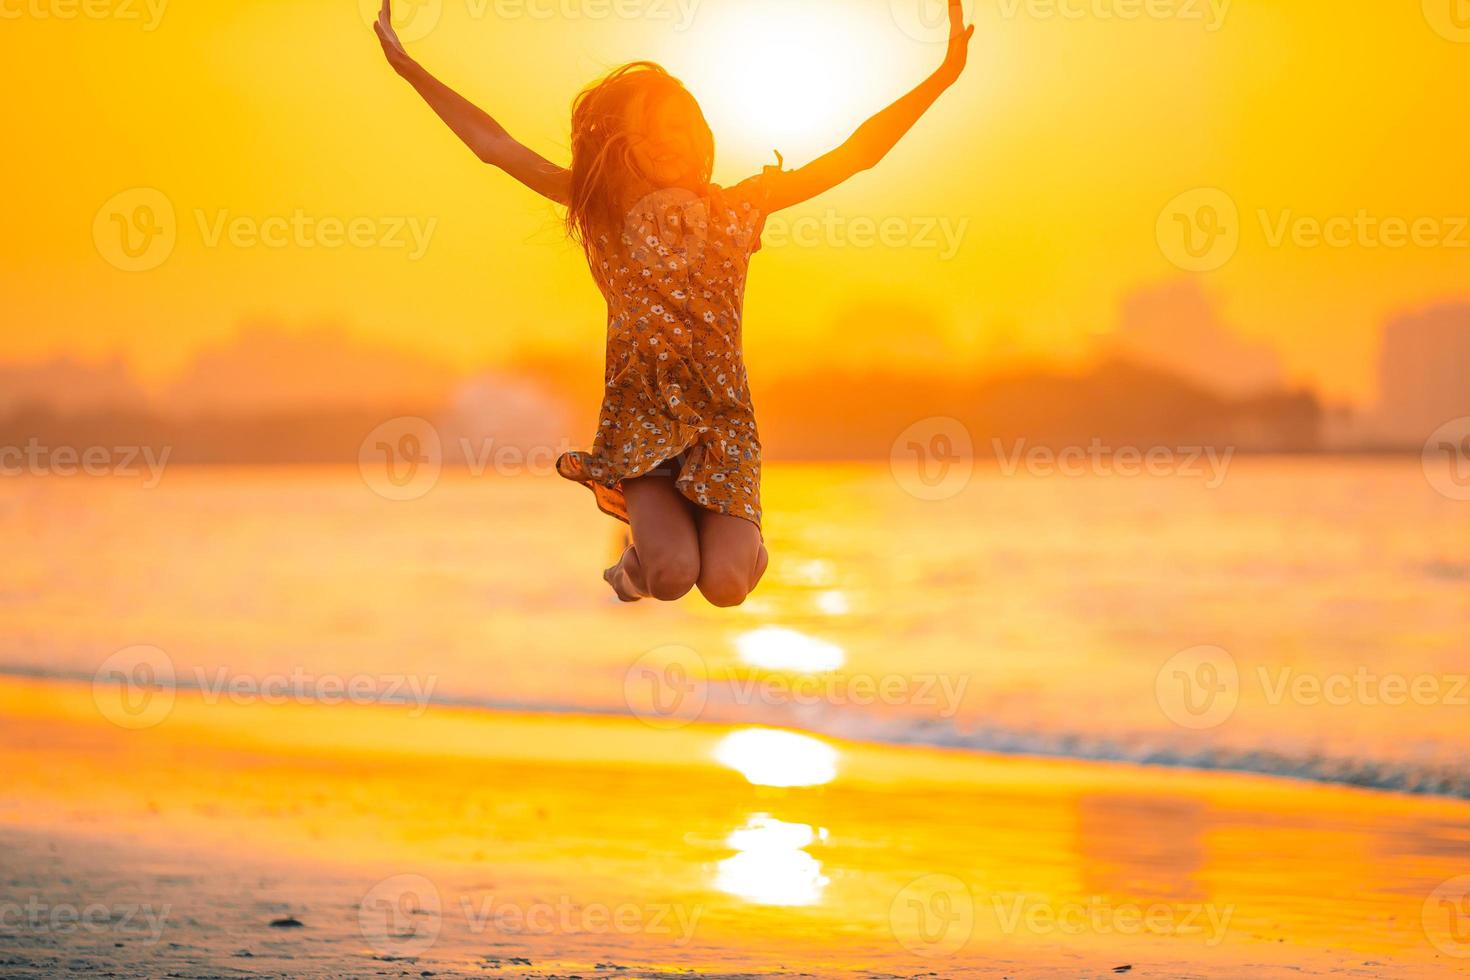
(1168, 353)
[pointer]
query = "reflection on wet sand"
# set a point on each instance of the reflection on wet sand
(771, 865)
(1121, 861)
(771, 757)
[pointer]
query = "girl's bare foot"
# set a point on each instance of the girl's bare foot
(620, 576)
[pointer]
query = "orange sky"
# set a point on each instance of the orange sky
(1048, 167)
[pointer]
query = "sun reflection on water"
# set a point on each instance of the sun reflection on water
(779, 648)
(771, 866)
(833, 602)
(770, 757)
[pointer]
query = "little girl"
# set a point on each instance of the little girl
(676, 453)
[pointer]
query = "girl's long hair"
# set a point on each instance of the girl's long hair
(603, 166)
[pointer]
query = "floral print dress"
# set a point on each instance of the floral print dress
(676, 401)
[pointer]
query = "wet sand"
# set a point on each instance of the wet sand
(463, 842)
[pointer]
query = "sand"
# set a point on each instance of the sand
(384, 842)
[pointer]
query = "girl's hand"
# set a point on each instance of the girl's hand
(959, 43)
(388, 37)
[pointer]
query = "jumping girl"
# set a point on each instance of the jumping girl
(676, 454)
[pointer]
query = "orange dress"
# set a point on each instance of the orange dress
(676, 401)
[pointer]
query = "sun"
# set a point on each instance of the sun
(794, 75)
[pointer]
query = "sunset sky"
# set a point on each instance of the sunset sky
(1048, 166)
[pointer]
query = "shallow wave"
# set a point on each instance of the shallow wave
(1433, 779)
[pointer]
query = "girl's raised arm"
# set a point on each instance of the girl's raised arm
(482, 134)
(874, 138)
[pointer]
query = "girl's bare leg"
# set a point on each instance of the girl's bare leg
(732, 557)
(663, 560)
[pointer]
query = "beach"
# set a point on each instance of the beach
(463, 842)
(1045, 727)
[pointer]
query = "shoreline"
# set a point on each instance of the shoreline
(1371, 775)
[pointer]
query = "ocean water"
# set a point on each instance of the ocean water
(1307, 617)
